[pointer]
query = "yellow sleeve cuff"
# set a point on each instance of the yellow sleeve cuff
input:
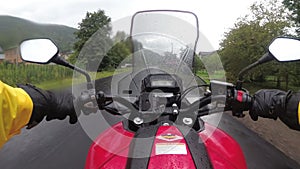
(15, 111)
(299, 113)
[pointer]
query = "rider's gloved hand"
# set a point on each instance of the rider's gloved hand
(50, 104)
(272, 103)
(291, 115)
(268, 103)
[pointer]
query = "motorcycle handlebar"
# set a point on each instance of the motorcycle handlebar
(236, 100)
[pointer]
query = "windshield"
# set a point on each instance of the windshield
(163, 42)
(160, 51)
(163, 38)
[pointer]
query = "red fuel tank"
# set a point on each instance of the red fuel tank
(169, 149)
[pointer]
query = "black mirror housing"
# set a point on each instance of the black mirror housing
(285, 49)
(39, 51)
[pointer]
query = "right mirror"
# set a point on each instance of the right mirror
(285, 49)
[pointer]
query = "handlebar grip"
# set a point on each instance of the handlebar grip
(87, 101)
(87, 96)
(242, 102)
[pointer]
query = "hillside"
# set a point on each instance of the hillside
(13, 30)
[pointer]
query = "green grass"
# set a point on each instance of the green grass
(218, 75)
(55, 84)
(252, 87)
(67, 82)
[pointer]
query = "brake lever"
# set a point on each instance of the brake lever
(102, 99)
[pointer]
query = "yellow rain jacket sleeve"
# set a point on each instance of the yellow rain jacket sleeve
(15, 111)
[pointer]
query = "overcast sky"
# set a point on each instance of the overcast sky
(215, 16)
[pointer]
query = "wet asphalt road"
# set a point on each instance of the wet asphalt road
(57, 145)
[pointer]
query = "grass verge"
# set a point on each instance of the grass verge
(67, 82)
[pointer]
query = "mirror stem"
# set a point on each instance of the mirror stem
(60, 61)
(265, 58)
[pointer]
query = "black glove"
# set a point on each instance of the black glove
(268, 103)
(52, 104)
(290, 116)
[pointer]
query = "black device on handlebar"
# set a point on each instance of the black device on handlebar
(159, 89)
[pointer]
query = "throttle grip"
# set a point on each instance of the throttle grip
(87, 101)
(242, 102)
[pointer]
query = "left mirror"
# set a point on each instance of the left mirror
(285, 49)
(38, 50)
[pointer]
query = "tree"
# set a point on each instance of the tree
(94, 36)
(212, 62)
(118, 52)
(294, 7)
(96, 49)
(198, 64)
(247, 41)
(92, 23)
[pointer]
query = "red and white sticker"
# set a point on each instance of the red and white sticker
(170, 148)
(169, 137)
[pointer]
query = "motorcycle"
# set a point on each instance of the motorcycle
(162, 100)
